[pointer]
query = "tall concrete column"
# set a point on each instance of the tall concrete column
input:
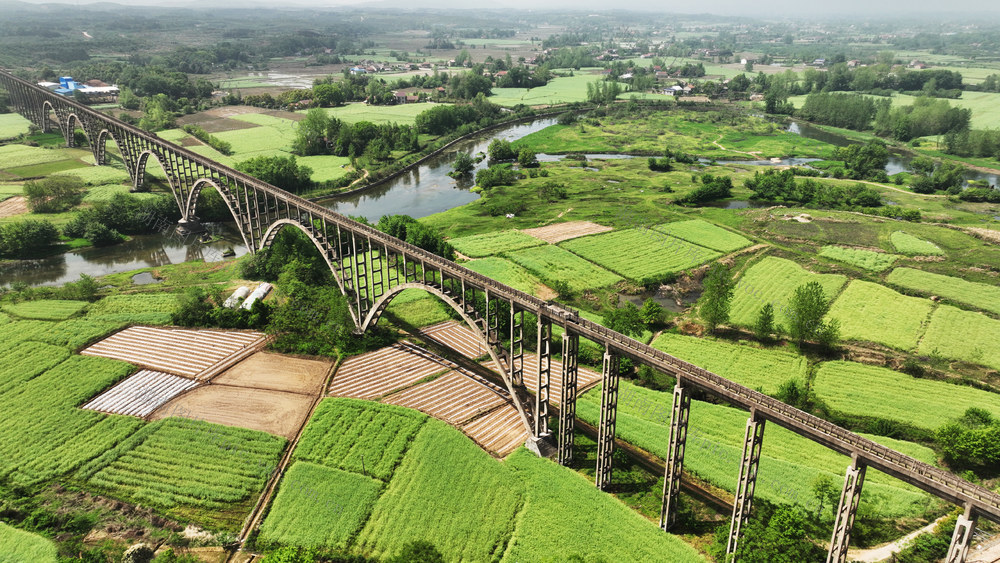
(752, 442)
(675, 456)
(609, 412)
(850, 497)
(567, 397)
(965, 527)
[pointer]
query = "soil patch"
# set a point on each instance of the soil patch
(13, 206)
(276, 372)
(275, 412)
(565, 231)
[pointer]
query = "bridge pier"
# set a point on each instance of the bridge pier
(965, 527)
(850, 497)
(544, 376)
(675, 455)
(609, 412)
(567, 396)
(190, 226)
(752, 442)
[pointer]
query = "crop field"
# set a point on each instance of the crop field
(564, 513)
(789, 463)
(505, 271)
(924, 403)
(558, 232)
(46, 309)
(753, 367)
(325, 166)
(73, 333)
(22, 361)
(179, 464)
(980, 295)
(705, 234)
(18, 545)
(458, 337)
(552, 264)
(139, 308)
(380, 372)
(259, 141)
(774, 280)
(491, 244)
(962, 335)
(12, 125)
(872, 312)
(449, 492)
(17, 156)
(423, 311)
(47, 434)
(865, 259)
(319, 507)
(359, 436)
(140, 394)
(455, 397)
(561, 89)
(99, 175)
(913, 246)
(405, 114)
(640, 255)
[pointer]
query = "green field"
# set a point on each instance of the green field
(551, 264)
(789, 463)
(46, 309)
(404, 114)
(72, 333)
(14, 157)
(774, 280)
(705, 234)
(643, 255)
(18, 546)
(980, 295)
(99, 176)
(912, 246)
(260, 141)
(559, 90)
(12, 125)
(871, 391)
(756, 368)
(491, 244)
(319, 507)
(865, 259)
(963, 335)
(872, 312)
(505, 272)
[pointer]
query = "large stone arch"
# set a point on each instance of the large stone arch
(71, 130)
(379, 307)
(140, 173)
(187, 212)
(100, 150)
(272, 231)
(47, 110)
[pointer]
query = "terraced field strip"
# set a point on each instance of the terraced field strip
(585, 378)
(141, 394)
(174, 350)
(453, 397)
(383, 371)
(456, 336)
(565, 231)
(500, 431)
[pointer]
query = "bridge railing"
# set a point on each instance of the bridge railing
(925, 476)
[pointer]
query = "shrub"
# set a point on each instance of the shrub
(20, 239)
(53, 194)
(100, 234)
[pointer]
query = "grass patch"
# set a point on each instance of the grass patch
(872, 312)
(913, 246)
(137, 308)
(561, 89)
(12, 125)
(418, 310)
(774, 280)
(99, 176)
(319, 507)
(46, 168)
(705, 234)
(963, 335)
(640, 254)
(405, 114)
(552, 264)
(862, 390)
(505, 272)
(491, 244)
(756, 368)
(46, 309)
(864, 259)
(980, 295)
(18, 545)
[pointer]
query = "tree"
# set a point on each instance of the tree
(53, 194)
(418, 551)
(500, 150)
(281, 171)
(763, 327)
(311, 133)
(22, 238)
(806, 310)
(716, 297)
(652, 313)
(625, 319)
(463, 164)
(313, 319)
(825, 491)
(526, 158)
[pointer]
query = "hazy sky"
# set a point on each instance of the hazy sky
(764, 9)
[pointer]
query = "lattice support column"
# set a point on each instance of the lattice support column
(961, 540)
(752, 441)
(675, 456)
(609, 412)
(850, 497)
(515, 361)
(544, 376)
(567, 397)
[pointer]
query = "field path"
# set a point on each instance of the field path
(895, 189)
(886, 551)
(756, 155)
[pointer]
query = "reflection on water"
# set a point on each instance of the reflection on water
(140, 252)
